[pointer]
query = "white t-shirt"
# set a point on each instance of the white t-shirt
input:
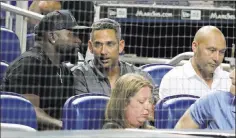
(184, 80)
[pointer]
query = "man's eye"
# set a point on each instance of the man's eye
(110, 44)
(212, 50)
(97, 44)
(222, 51)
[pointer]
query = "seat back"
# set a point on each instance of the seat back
(84, 112)
(16, 109)
(3, 68)
(10, 46)
(16, 127)
(157, 71)
(170, 109)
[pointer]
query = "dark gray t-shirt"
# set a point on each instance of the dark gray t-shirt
(88, 79)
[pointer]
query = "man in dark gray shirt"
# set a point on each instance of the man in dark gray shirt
(99, 75)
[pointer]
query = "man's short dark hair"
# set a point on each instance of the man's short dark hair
(106, 23)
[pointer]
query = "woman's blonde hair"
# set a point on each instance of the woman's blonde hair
(125, 88)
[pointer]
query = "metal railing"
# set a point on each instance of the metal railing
(21, 19)
(176, 61)
(20, 11)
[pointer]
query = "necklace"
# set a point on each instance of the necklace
(60, 76)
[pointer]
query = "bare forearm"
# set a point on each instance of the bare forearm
(42, 117)
(46, 120)
(186, 122)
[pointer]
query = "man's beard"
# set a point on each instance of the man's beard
(69, 54)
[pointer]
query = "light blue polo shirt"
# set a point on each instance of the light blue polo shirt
(215, 111)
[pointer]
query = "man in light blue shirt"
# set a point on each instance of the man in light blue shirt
(214, 111)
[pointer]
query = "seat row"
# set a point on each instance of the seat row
(87, 111)
(10, 45)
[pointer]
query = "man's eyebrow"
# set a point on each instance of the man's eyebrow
(211, 47)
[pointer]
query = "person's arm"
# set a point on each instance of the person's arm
(198, 114)
(43, 118)
(186, 122)
(80, 85)
(24, 78)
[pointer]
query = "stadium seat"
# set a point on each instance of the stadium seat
(16, 127)
(86, 111)
(10, 45)
(157, 71)
(11, 93)
(15, 109)
(170, 109)
(3, 67)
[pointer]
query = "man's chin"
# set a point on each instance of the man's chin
(104, 65)
(211, 70)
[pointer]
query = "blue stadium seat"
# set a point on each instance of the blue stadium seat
(157, 71)
(170, 109)
(3, 68)
(16, 127)
(10, 46)
(11, 93)
(86, 111)
(16, 109)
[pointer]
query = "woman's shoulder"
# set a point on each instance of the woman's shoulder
(111, 125)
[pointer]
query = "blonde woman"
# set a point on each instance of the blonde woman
(130, 103)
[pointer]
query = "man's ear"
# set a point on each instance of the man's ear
(52, 37)
(90, 46)
(194, 46)
(121, 46)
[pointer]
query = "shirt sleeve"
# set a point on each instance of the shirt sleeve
(201, 110)
(80, 85)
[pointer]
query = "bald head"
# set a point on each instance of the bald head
(209, 47)
(206, 32)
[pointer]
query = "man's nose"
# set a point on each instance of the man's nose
(104, 50)
(216, 56)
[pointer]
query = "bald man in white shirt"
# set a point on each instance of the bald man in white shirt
(202, 74)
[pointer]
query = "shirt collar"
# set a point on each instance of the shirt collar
(100, 75)
(190, 72)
